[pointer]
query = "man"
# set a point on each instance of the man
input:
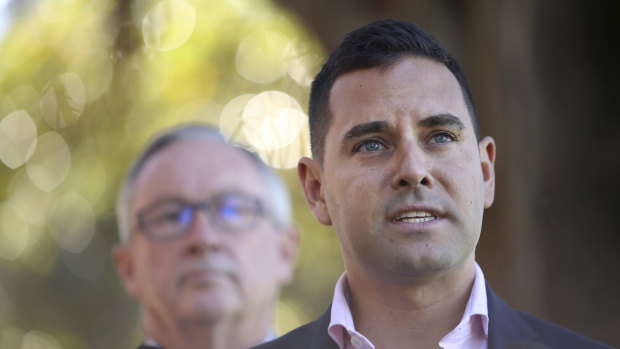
(401, 172)
(206, 241)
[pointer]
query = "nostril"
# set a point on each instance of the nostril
(424, 181)
(403, 183)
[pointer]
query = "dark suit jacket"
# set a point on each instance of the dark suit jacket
(508, 328)
(146, 346)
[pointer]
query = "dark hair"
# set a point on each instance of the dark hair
(375, 45)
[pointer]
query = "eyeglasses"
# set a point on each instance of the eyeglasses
(171, 219)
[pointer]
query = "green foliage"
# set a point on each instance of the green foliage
(83, 84)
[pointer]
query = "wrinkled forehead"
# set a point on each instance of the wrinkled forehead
(196, 169)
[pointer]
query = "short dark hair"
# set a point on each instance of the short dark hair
(378, 44)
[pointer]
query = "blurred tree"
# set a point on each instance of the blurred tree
(84, 83)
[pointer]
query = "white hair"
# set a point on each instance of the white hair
(280, 209)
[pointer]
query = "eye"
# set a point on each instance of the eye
(443, 137)
(369, 146)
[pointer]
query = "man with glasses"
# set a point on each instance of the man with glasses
(206, 241)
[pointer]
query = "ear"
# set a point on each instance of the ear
(289, 243)
(487, 162)
(124, 265)
(310, 176)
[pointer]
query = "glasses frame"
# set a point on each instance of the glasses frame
(207, 206)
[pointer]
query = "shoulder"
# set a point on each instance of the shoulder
(309, 336)
(555, 336)
(507, 326)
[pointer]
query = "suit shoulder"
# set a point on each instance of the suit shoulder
(556, 336)
(302, 337)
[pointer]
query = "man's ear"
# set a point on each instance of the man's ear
(124, 265)
(487, 162)
(310, 176)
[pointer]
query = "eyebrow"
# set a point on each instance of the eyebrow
(442, 120)
(364, 129)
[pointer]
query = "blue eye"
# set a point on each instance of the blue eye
(229, 212)
(370, 146)
(185, 216)
(442, 138)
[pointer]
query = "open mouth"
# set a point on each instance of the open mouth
(415, 217)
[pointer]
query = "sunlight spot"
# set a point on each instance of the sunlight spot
(96, 71)
(168, 25)
(90, 263)
(13, 231)
(50, 163)
(302, 69)
(63, 100)
(287, 157)
(33, 202)
(231, 122)
(72, 222)
(272, 120)
(264, 57)
(18, 138)
(39, 340)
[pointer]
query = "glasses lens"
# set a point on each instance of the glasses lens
(167, 220)
(235, 212)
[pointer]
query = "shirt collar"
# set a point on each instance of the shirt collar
(341, 324)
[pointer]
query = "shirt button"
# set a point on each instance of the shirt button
(357, 342)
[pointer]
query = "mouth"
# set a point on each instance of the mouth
(415, 217)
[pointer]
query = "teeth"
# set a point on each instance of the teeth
(417, 220)
(415, 217)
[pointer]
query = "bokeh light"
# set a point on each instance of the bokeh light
(72, 222)
(39, 340)
(264, 57)
(231, 118)
(272, 120)
(302, 69)
(50, 163)
(13, 231)
(32, 202)
(18, 137)
(168, 25)
(89, 263)
(96, 71)
(63, 100)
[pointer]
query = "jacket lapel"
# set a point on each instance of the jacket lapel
(505, 323)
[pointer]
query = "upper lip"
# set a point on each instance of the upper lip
(414, 211)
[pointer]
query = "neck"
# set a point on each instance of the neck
(235, 332)
(422, 311)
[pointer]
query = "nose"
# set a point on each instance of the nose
(202, 235)
(412, 168)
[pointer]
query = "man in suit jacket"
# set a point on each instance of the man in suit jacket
(206, 241)
(401, 171)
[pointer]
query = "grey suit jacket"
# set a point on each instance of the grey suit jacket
(508, 328)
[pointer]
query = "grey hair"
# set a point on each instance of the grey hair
(280, 198)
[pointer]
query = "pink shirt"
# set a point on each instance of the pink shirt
(471, 333)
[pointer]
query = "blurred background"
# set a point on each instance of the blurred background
(84, 83)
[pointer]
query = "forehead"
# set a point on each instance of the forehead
(194, 170)
(412, 88)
